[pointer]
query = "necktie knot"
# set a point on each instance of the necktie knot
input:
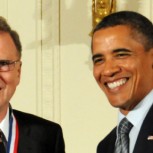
(125, 126)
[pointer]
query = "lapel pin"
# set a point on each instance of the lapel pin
(150, 137)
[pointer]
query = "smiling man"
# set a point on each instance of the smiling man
(21, 132)
(122, 48)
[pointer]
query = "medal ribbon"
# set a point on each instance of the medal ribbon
(13, 137)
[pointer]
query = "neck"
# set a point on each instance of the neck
(3, 112)
(124, 112)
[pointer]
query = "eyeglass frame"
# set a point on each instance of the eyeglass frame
(8, 65)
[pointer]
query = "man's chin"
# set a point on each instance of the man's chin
(118, 103)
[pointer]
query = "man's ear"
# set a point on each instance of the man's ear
(151, 54)
(19, 70)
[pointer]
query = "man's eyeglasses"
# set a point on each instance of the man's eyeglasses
(7, 65)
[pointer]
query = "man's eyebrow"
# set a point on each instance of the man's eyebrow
(96, 56)
(121, 49)
(114, 51)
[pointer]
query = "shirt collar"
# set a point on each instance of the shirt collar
(138, 114)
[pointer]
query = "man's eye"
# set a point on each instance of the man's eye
(3, 63)
(122, 55)
(98, 60)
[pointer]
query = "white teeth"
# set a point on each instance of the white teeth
(116, 84)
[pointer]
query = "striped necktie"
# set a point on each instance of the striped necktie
(122, 143)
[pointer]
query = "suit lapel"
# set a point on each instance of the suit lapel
(24, 145)
(112, 142)
(29, 141)
(143, 145)
(107, 144)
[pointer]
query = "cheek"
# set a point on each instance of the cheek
(16, 80)
(16, 76)
(142, 77)
(11, 79)
(97, 75)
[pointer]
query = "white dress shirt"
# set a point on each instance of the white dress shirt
(136, 117)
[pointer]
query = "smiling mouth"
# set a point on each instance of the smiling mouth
(115, 84)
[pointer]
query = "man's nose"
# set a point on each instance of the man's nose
(110, 68)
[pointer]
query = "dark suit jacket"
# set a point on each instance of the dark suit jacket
(142, 144)
(37, 135)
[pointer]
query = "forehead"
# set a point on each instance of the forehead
(111, 32)
(7, 46)
(113, 38)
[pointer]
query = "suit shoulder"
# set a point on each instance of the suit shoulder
(107, 143)
(30, 119)
(46, 135)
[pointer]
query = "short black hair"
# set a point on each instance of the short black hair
(141, 27)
